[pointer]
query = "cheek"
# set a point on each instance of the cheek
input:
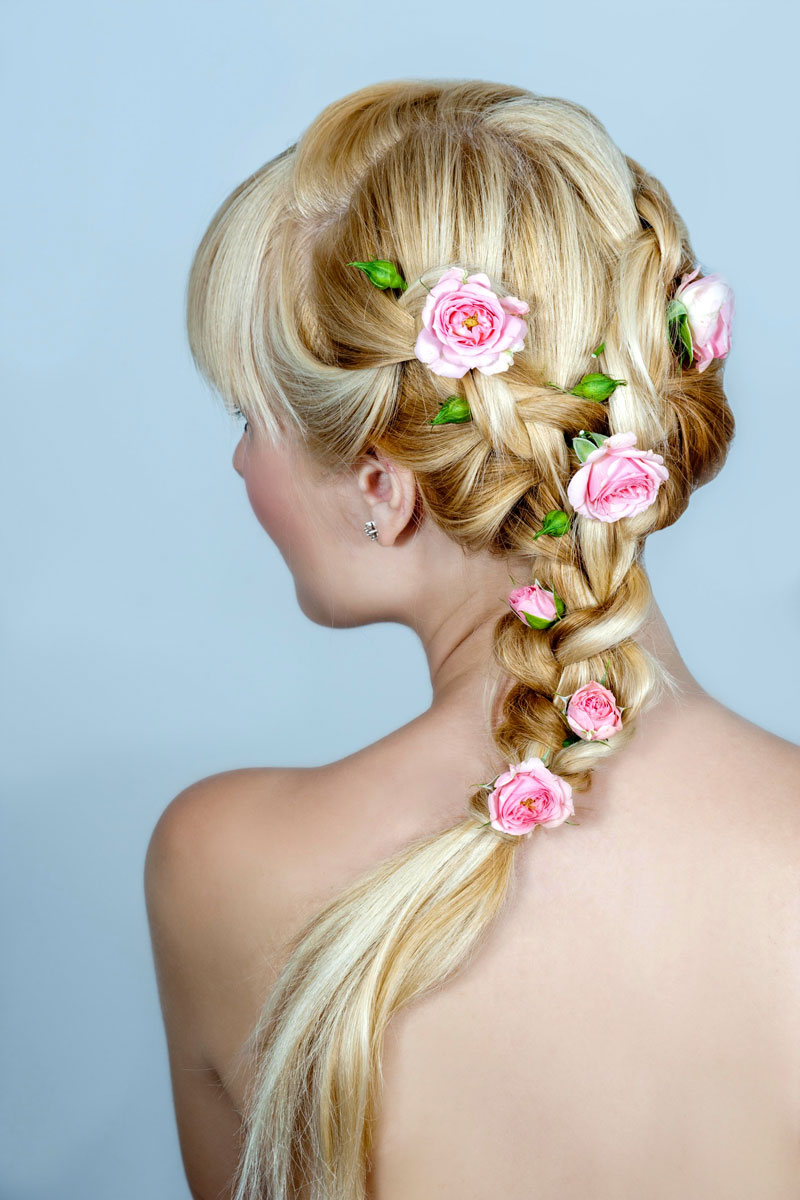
(291, 518)
(279, 511)
(308, 527)
(269, 500)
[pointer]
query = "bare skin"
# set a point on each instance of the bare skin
(630, 1025)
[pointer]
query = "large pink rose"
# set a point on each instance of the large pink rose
(466, 325)
(592, 712)
(527, 794)
(616, 480)
(710, 305)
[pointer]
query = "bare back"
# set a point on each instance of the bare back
(629, 1027)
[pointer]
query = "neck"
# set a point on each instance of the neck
(459, 652)
(460, 649)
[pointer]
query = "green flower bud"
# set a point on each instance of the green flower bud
(596, 386)
(454, 411)
(382, 273)
(554, 524)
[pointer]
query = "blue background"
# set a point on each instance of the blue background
(151, 632)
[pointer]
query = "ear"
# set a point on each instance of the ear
(390, 493)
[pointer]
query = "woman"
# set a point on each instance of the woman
(457, 319)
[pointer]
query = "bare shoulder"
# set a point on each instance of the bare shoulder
(243, 858)
(237, 864)
(211, 809)
(280, 840)
(198, 835)
(219, 845)
(224, 895)
(287, 818)
(721, 755)
(207, 871)
(729, 807)
(722, 848)
(760, 770)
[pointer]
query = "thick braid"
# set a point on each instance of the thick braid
(597, 567)
(607, 596)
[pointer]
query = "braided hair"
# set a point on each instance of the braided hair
(532, 191)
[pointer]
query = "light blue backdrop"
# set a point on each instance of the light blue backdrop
(151, 634)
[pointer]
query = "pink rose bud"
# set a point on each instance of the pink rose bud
(527, 794)
(709, 307)
(592, 712)
(616, 480)
(536, 606)
(468, 326)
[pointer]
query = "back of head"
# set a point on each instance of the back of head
(532, 192)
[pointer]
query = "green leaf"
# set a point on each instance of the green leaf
(676, 309)
(679, 331)
(555, 524)
(454, 411)
(596, 353)
(583, 447)
(598, 438)
(686, 339)
(559, 603)
(381, 273)
(538, 622)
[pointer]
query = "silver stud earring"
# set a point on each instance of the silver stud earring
(371, 530)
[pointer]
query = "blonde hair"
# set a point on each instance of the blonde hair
(531, 190)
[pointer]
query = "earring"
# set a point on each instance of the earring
(371, 530)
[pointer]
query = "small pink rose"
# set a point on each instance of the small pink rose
(527, 794)
(536, 606)
(466, 325)
(592, 712)
(710, 306)
(616, 480)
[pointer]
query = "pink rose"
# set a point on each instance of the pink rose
(466, 325)
(710, 305)
(535, 605)
(616, 480)
(527, 794)
(592, 712)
